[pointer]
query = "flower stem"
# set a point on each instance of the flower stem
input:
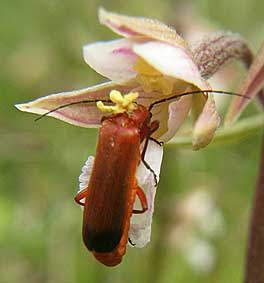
(235, 132)
(254, 272)
(261, 98)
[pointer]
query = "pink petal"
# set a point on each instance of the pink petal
(206, 124)
(178, 112)
(133, 26)
(251, 85)
(113, 59)
(84, 114)
(172, 61)
(140, 225)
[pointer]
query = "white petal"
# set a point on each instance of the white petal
(171, 60)
(140, 224)
(112, 59)
(86, 173)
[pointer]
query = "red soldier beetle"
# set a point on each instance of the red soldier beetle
(112, 188)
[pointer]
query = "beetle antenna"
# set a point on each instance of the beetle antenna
(70, 104)
(196, 92)
(151, 105)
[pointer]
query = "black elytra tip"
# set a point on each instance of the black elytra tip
(103, 242)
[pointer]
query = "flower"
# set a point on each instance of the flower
(153, 61)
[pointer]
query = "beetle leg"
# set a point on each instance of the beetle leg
(151, 170)
(145, 162)
(131, 243)
(156, 141)
(152, 128)
(143, 200)
(80, 196)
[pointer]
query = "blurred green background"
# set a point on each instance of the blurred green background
(40, 225)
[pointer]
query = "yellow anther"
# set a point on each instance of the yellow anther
(103, 107)
(116, 97)
(151, 79)
(129, 99)
(123, 103)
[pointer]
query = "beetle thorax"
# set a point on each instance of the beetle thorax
(139, 118)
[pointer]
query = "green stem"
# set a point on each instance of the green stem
(232, 133)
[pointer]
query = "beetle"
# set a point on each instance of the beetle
(112, 188)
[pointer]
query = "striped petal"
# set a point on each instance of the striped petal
(81, 114)
(139, 26)
(113, 59)
(251, 85)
